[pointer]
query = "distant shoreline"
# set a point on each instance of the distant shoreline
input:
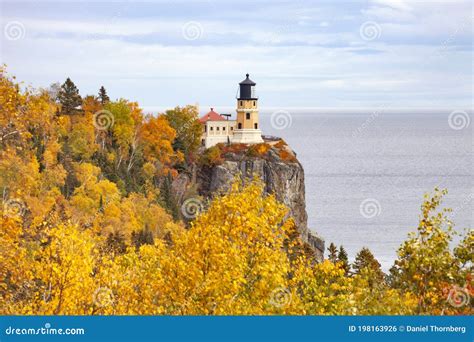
(318, 110)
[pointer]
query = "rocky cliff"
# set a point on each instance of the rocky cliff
(276, 164)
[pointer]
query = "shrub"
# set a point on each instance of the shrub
(258, 150)
(287, 156)
(233, 148)
(212, 156)
(281, 144)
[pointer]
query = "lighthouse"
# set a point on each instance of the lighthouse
(247, 130)
(219, 129)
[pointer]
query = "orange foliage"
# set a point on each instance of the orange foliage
(157, 136)
(287, 156)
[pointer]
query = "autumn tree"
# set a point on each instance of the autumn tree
(15, 275)
(158, 136)
(373, 296)
(229, 255)
(80, 139)
(13, 127)
(29, 149)
(132, 214)
(69, 97)
(325, 289)
(81, 142)
(90, 192)
(91, 105)
(52, 271)
(211, 157)
(184, 120)
(121, 123)
(464, 251)
(87, 227)
(427, 267)
(118, 135)
(27, 119)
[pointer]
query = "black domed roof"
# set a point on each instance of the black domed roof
(248, 81)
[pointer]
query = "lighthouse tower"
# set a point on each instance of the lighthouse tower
(247, 130)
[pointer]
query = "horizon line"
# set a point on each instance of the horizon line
(379, 108)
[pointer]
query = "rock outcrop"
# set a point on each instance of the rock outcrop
(281, 172)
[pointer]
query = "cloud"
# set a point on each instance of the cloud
(301, 54)
(401, 5)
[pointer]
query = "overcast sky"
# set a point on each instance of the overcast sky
(301, 53)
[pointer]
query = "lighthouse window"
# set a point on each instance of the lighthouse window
(256, 126)
(254, 103)
(240, 125)
(247, 116)
(241, 103)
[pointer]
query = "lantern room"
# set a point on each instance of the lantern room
(246, 90)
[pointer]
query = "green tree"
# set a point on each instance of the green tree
(366, 260)
(167, 197)
(188, 129)
(332, 249)
(343, 259)
(464, 251)
(103, 97)
(363, 259)
(211, 157)
(69, 97)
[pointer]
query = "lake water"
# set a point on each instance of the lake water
(366, 172)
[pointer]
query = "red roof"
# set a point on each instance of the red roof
(211, 116)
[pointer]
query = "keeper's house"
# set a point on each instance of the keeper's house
(218, 128)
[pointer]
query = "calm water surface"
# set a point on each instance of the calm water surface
(366, 173)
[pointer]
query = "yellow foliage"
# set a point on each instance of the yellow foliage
(82, 230)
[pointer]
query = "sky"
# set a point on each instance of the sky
(301, 54)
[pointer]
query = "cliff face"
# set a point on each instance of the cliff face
(282, 175)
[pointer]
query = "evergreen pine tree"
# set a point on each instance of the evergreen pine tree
(69, 97)
(365, 259)
(168, 199)
(332, 249)
(343, 259)
(71, 182)
(103, 97)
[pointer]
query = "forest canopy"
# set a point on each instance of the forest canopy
(90, 224)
